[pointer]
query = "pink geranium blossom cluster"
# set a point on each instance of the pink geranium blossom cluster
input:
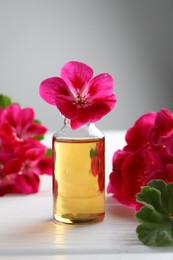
(148, 155)
(22, 156)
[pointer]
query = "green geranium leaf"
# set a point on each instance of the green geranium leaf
(39, 137)
(4, 101)
(37, 121)
(49, 152)
(156, 217)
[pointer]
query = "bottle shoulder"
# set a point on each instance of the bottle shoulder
(89, 131)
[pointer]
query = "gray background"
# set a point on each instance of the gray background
(130, 39)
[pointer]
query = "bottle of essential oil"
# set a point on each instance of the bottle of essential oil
(78, 174)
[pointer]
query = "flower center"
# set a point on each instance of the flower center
(25, 168)
(80, 100)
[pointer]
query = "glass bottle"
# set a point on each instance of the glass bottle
(78, 174)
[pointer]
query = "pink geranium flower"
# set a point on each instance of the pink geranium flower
(78, 96)
(22, 157)
(148, 155)
(17, 123)
(14, 180)
(20, 170)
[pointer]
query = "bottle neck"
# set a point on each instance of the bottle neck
(66, 121)
(87, 131)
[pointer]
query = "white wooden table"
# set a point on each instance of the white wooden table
(28, 232)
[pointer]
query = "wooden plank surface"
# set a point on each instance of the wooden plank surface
(26, 228)
(27, 231)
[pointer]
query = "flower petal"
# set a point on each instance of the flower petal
(10, 115)
(24, 120)
(7, 184)
(76, 75)
(7, 134)
(115, 185)
(33, 154)
(80, 120)
(100, 108)
(100, 86)
(164, 121)
(51, 88)
(66, 106)
(5, 156)
(45, 165)
(36, 129)
(12, 166)
(25, 117)
(27, 183)
(115, 179)
(137, 135)
(169, 170)
(90, 114)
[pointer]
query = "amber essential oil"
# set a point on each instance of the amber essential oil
(78, 180)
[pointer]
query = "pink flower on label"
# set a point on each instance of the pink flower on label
(148, 155)
(78, 95)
